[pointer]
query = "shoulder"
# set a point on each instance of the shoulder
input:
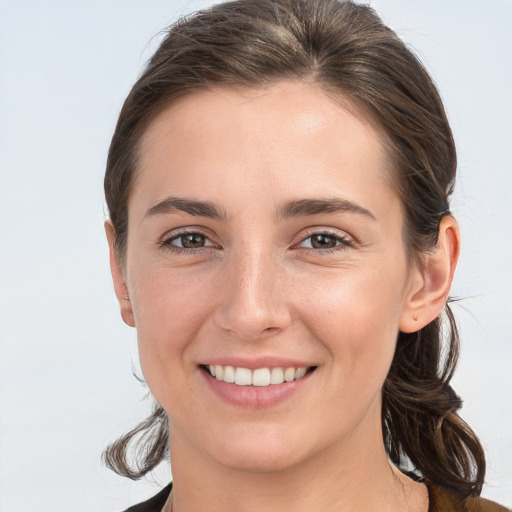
(444, 500)
(154, 504)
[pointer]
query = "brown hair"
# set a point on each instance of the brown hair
(345, 49)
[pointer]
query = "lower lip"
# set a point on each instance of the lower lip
(254, 397)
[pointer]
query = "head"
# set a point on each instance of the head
(360, 80)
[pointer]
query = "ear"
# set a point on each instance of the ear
(117, 276)
(431, 280)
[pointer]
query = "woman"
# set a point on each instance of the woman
(280, 236)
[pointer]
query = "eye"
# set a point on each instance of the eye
(326, 241)
(189, 240)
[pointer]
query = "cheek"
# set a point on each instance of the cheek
(356, 316)
(169, 309)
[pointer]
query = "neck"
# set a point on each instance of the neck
(349, 476)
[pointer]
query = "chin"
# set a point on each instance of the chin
(258, 461)
(264, 453)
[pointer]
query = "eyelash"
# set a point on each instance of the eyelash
(166, 243)
(343, 242)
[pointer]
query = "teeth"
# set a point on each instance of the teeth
(260, 377)
(229, 374)
(243, 377)
(300, 373)
(289, 374)
(276, 376)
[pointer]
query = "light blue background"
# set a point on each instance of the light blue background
(66, 358)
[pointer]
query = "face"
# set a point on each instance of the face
(265, 245)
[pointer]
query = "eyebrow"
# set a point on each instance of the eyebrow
(296, 208)
(303, 207)
(177, 204)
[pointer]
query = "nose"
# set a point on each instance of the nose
(253, 296)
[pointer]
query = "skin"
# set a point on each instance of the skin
(261, 287)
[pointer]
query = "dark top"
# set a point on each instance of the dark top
(154, 504)
(441, 500)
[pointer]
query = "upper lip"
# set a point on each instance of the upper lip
(257, 362)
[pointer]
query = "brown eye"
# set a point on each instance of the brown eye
(326, 241)
(190, 240)
(322, 241)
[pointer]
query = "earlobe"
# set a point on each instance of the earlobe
(431, 283)
(120, 288)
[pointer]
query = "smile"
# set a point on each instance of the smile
(260, 377)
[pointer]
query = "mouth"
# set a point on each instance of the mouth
(259, 377)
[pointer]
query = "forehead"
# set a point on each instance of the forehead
(282, 137)
(302, 108)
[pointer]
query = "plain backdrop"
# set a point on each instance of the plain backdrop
(66, 384)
